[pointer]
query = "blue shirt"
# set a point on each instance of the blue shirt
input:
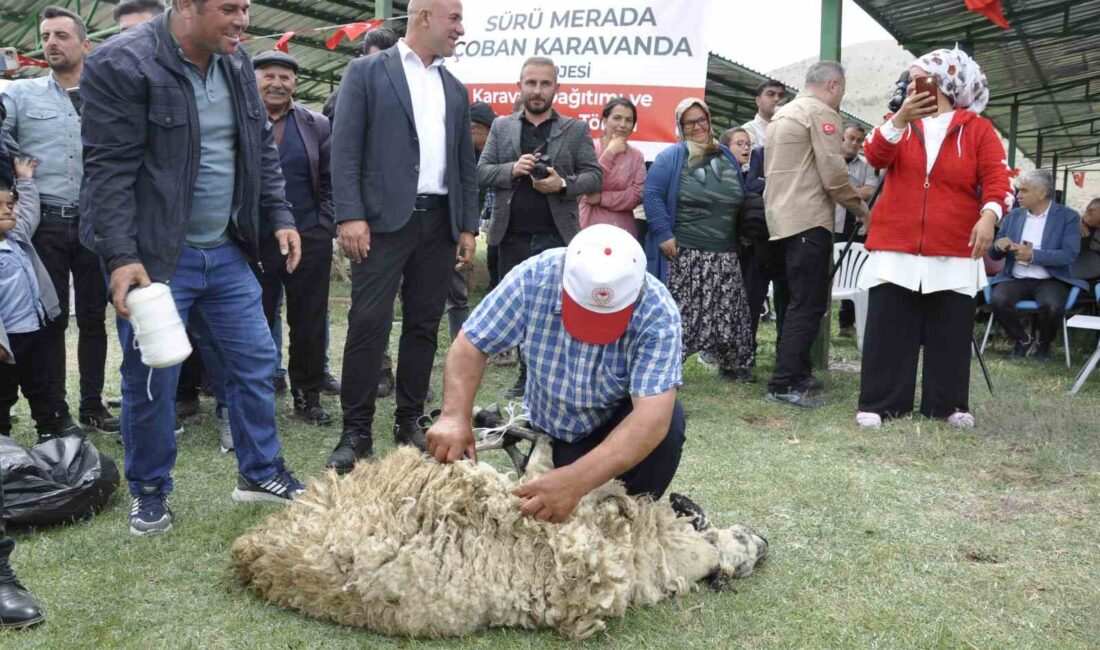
(573, 387)
(20, 309)
(294, 160)
(43, 124)
(212, 197)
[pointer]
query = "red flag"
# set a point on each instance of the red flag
(1079, 179)
(991, 9)
(282, 43)
(26, 62)
(352, 31)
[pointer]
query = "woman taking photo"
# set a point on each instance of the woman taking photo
(623, 170)
(946, 185)
(693, 197)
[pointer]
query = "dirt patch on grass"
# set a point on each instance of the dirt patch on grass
(765, 421)
(979, 555)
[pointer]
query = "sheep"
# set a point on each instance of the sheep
(406, 546)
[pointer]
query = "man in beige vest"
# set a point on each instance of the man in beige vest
(807, 177)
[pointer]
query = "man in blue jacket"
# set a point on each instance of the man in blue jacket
(168, 197)
(1039, 241)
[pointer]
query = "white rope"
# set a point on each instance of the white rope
(516, 413)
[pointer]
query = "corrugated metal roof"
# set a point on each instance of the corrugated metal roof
(1048, 63)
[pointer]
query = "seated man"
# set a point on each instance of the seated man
(1087, 265)
(1039, 241)
(602, 340)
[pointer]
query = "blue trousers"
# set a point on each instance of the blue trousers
(218, 283)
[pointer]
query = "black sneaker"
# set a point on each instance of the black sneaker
(149, 512)
(331, 385)
(307, 407)
(279, 488)
(1042, 352)
(811, 385)
(351, 448)
(385, 383)
(101, 420)
(187, 408)
(1021, 348)
(739, 375)
(18, 608)
(794, 397)
(58, 428)
(409, 433)
(280, 386)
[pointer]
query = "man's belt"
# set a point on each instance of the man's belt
(60, 211)
(426, 202)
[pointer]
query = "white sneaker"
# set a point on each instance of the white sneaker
(960, 420)
(867, 420)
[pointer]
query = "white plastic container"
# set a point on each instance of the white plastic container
(158, 331)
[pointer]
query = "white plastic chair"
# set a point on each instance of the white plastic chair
(1030, 307)
(846, 284)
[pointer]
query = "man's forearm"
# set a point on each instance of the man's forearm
(628, 444)
(461, 377)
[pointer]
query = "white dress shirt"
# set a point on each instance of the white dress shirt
(429, 104)
(1033, 232)
(757, 129)
(926, 274)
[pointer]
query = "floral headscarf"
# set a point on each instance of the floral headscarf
(958, 76)
(697, 153)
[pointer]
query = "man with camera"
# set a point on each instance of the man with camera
(537, 162)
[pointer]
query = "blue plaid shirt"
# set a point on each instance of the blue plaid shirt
(573, 387)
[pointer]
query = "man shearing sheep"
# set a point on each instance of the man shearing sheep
(602, 340)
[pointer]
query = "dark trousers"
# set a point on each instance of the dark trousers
(654, 473)
(192, 373)
(899, 323)
(1051, 296)
(57, 244)
(805, 260)
(756, 285)
(458, 302)
(494, 268)
(306, 303)
(31, 373)
(419, 258)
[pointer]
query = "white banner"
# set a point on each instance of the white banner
(649, 51)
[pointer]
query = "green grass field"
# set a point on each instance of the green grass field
(915, 536)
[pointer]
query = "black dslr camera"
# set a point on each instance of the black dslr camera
(901, 91)
(542, 163)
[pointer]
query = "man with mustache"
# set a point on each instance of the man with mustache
(303, 140)
(531, 212)
(182, 183)
(43, 122)
(405, 186)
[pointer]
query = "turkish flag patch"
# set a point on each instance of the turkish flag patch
(829, 129)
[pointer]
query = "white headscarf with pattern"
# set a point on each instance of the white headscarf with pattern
(958, 76)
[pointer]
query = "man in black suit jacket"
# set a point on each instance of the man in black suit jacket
(405, 187)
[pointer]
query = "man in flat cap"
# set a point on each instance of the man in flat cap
(302, 137)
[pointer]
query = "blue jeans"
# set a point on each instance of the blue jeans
(219, 283)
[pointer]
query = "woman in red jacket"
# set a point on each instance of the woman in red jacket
(946, 185)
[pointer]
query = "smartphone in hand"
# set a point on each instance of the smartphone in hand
(925, 84)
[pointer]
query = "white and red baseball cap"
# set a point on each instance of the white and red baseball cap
(604, 274)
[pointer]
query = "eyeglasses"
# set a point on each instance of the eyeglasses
(744, 144)
(701, 123)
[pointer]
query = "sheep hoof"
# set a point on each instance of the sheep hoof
(719, 582)
(685, 507)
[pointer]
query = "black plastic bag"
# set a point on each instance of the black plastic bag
(60, 480)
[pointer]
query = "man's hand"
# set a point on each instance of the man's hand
(354, 238)
(981, 237)
(594, 198)
(24, 167)
(915, 107)
(451, 439)
(1003, 244)
(290, 245)
(122, 279)
(551, 497)
(552, 184)
(467, 246)
(668, 247)
(3, 354)
(1025, 252)
(524, 165)
(1085, 230)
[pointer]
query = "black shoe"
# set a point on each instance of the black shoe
(101, 420)
(1042, 352)
(1021, 348)
(186, 408)
(811, 385)
(17, 607)
(59, 428)
(280, 386)
(385, 384)
(331, 385)
(739, 375)
(282, 487)
(351, 448)
(409, 433)
(794, 397)
(307, 407)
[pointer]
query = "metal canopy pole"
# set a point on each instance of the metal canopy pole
(383, 9)
(831, 19)
(1065, 185)
(1039, 151)
(1054, 176)
(1013, 133)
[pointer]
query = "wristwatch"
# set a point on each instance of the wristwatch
(563, 185)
